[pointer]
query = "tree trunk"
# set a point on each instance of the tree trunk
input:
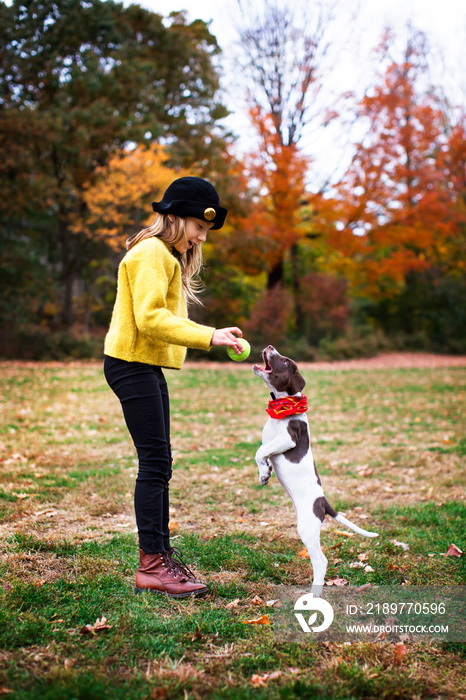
(276, 275)
(298, 313)
(67, 273)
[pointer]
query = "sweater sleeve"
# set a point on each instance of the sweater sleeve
(153, 282)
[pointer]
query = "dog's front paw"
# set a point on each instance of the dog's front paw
(265, 472)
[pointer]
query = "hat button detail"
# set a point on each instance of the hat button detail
(209, 213)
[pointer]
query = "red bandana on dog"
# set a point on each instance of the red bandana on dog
(288, 406)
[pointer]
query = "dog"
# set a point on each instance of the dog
(286, 448)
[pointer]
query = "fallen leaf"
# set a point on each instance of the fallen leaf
(336, 582)
(368, 569)
(197, 634)
(454, 551)
(400, 544)
(343, 533)
(272, 603)
(363, 587)
(264, 620)
(399, 653)
(234, 603)
(173, 525)
(363, 557)
(380, 637)
(274, 675)
(259, 681)
(96, 627)
(159, 693)
(49, 513)
(257, 600)
(304, 554)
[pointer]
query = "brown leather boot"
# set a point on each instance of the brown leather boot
(158, 574)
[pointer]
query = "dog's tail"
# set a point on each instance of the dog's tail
(344, 521)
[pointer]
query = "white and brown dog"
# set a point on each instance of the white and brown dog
(286, 447)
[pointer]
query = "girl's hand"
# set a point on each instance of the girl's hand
(224, 336)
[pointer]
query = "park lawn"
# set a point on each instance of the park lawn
(390, 447)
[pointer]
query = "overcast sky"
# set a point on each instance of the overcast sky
(444, 22)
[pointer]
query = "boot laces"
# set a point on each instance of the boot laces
(168, 564)
(176, 560)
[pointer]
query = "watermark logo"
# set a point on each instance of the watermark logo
(307, 603)
(371, 613)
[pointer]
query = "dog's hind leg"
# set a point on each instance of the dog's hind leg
(309, 532)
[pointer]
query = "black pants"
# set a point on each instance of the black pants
(143, 393)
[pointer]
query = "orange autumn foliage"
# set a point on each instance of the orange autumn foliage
(397, 209)
(278, 169)
(118, 201)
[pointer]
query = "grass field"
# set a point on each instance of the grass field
(390, 447)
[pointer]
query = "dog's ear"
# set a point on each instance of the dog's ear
(297, 383)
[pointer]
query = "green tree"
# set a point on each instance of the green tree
(80, 79)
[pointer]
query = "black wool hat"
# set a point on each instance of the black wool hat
(192, 196)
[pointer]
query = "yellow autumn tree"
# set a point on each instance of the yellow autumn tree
(118, 201)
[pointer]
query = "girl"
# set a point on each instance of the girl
(149, 331)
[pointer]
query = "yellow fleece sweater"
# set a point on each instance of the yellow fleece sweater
(150, 321)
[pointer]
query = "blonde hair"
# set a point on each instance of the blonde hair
(191, 262)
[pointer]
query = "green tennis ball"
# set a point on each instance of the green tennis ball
(244, 355)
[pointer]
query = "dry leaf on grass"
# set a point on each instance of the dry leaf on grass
(363, 587)
(399, 653)
(98, 626)
(343, 533)
(380, 637)
(454, 551)
(304, 554)
(400, 544)
(264, 620)
(258, 681)
(257, 600)
(233, 604)
(197, 634)
(336, 582)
